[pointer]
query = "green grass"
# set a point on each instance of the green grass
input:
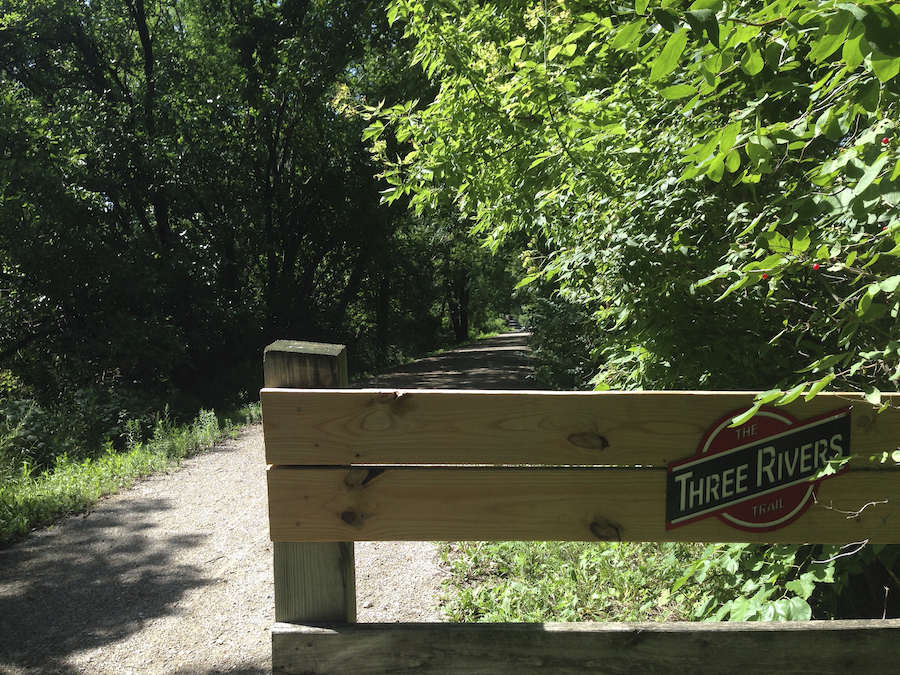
(566, 581)
(29, 500)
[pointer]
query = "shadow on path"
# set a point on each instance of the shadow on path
(502, 362)
(100, 580)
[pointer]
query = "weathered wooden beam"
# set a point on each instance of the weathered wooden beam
(786, 648)
(560, 504)
(314, 582)
(550, 428)
(317, 365)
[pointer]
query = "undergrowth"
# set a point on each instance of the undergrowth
(31, 496)
(574, 581)
(566, 581)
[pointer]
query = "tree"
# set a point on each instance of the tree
(707, 190)
(715, 184)
(178, 188)
(184, 181)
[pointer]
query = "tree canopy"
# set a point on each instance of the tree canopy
(714, 185)
(184, 181)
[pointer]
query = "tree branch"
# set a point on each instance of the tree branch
(22, 343)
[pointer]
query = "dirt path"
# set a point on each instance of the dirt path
(175, 575)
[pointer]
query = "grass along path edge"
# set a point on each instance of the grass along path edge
(31, 501)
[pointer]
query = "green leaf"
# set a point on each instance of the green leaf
(768, 396)
(776, 242)
(758, 153)
(883, 27)
(818, 386)
(628, 34)
(885, 67)
(863, 305)
(531, 278)
(890, 284)
(667, 19)
(670, 56)
(831, 36)
(856, 11)
(745, 417)
(855, 48)
(801, 241)
(716, 168)
(729, 136)
(678, 91)
(393, 10)
(373, 130)
(870, 175)
(745, 280)
(752, 62)
(706, 150)
(799, 610)
(702, 20)
(733, 160)
(541, 158)
(714, 5)
(792, 394)
(873, 395)
(895, 174)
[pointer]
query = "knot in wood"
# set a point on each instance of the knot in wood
(379, 419)
(352, 518)
(589, 440)
(357, 478)
(606, 531)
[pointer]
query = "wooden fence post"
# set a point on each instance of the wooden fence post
(314, 582)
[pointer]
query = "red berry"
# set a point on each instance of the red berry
(815, 266)
(885, 140)
(765, 276)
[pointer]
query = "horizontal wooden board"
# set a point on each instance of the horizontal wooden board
(328, 427)
(793, 648)
(564, 504)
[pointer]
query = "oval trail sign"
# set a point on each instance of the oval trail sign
(760, 476)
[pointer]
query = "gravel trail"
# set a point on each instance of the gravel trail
(174, 576)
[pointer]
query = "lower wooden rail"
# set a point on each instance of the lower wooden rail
(790, 648)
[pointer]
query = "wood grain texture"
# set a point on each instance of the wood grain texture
(313, 581)
(791, 648)
(353, 466)
(548, 428)
(289, 363)
(562, 504)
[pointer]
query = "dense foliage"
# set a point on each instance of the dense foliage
(184, 181)
(714, 184)
(697, 195)
(706, 195)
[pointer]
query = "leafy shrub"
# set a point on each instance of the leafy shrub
(564, 341)
(30, 436)
(745, 582)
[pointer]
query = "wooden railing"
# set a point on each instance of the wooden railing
(362, 465)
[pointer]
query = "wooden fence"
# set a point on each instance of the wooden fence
(364, 465)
